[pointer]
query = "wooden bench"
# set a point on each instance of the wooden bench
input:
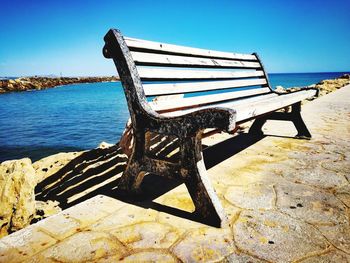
(202, 89)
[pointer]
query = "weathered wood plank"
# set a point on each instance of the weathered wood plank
(150, 59)
(197, 101)
(181, 88)
(245, 112)
(156, 47)
(255, 106)
(230, 104)
(189, 74)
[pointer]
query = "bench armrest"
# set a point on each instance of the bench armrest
(190, 123)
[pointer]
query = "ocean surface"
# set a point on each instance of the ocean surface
(78, 117)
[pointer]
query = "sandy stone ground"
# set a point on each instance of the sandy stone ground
(288, 200)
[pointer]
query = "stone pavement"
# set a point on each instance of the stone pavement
(288, 200)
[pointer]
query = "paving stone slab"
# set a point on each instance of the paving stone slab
(105, 203)
(333, 256)
(309, 204)
(146, 235)
(177, 198)
(242, 258)
(10, 254)
(252, 196)
(23, 244)
(181, 224)
(313, 176)
(85, 246)
(307, 168)
(276, 237)
(150, 256)
(343, 193)
(205, 245)
(128, 215)
(59, 226)
(338, 235)
(93, 209)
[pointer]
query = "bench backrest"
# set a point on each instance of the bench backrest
(183, 78)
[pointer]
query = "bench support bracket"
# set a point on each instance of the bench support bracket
(294, 116)
(190, 170)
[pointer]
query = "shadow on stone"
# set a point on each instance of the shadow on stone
(98, 171)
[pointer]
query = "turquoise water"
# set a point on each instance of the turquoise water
(67, 118)
(78, 117)
(288, 80)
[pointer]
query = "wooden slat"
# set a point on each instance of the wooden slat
(183, 103)
(187, 74)
(245, 112)
(149, 59)
(180, 88)
(251, 107)
(156, 47)
(230, 104)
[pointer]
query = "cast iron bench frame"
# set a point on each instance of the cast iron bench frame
(188, 124)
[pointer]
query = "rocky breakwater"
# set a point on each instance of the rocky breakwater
(39, 83)
(330, 85)
(324, 86)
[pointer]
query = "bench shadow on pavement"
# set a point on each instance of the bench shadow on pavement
(98, 171)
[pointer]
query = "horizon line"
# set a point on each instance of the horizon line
(77, 76)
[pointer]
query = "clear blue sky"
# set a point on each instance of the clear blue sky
(49, 37)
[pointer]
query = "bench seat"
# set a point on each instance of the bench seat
(245, 108)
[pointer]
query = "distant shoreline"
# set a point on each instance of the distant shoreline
(40, 83)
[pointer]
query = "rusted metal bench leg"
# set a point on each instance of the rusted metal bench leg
(294, 116)
(203, 195)
(129, 181)
(299, 123)
(256, 128)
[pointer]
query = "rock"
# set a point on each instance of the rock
(39, 83)
(50, 165)
(345, 76)
(324, 86)
(17, 182)
(18, 179)
(46, 209)
(329, 85)
(104, 145)
(280, 89)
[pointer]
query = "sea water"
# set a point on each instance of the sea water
(78, 117)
